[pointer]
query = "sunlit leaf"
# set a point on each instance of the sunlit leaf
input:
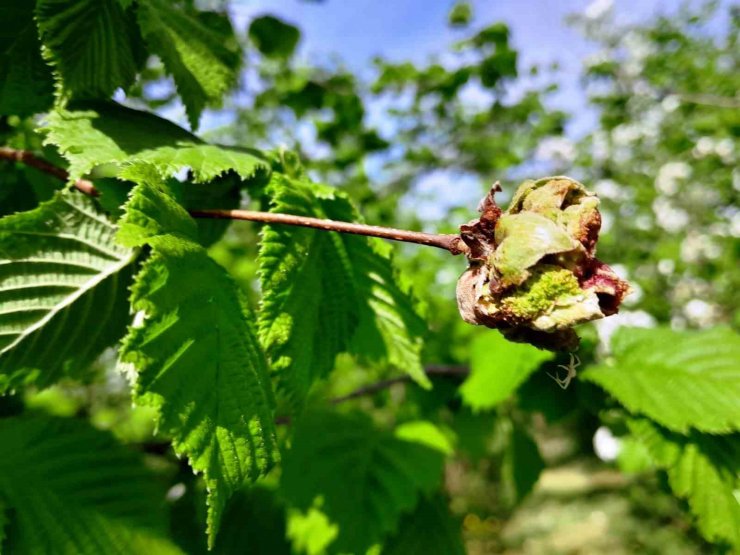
(681, 380)
(497, 368)
(63, 290)
(74, 489)
(382, 476)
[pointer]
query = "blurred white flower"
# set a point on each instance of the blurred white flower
(671, 103)
(625, 134)
(556, 149)
(600, 146)
(669, 175)
(638, 45)
(608, 188)
(700, 313)
(635, 295)
(666, 266)
(643, 222)
(627, 318)
(735, 225)
(704, 147)
(598, 9)
(697, 247)
(597, 58)
(725, 149)
(607, 220)
(606, 445)
(668, 216)
(176, 492)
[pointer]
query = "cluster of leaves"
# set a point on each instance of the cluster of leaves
(76, 268)
(664, 154)
(213, 364)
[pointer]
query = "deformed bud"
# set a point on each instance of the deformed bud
(532, 270)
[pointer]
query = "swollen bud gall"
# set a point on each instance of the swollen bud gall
(532, 270)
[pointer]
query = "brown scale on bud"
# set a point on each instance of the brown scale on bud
(532, 271)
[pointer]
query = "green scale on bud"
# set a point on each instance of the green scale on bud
(532, 271)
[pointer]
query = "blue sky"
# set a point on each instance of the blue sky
(357, 30)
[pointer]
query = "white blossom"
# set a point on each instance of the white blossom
(598, 9)
(666, 266)
(668, 216)
(608, 188)
(697, 247)
(556, 149)
(725, 149)
(704, 147)
(626, 318)
(700, 313)
(600, 146)
(606, 445)
(669, 176)
(670, 103)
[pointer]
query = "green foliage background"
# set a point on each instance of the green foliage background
(177, 385)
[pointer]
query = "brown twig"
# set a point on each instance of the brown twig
(449, 242)
(431, 370)
(438, 370)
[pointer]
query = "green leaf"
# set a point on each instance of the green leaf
(681, 380)
(703, 469)
(106, 133)
(3, 523)
(363, 478)
(430, 530)
(460, 15)
(273, 37)
(522, 464)
(390, 330)
(497, 368)
(325, 293)
(195, 353)
(254, 522)
(425, 433)
(26, 85)
(74, 489)
(202, 58)
(311, 532)
(93, 45)
(63, 282)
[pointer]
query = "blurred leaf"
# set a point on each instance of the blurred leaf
(254, 522)
(425, 433)
(3, 523)
(382, 476)
(430, 530)
(497, 368)
(522, 464)
(682, 380)
(273, 37)
(703, 469)
(94, 45)
(74, 489)
(634, 456)
(474, 432)
(202, 56)
(26, 85)
(461, 14)
(541, 394)
(311, 532)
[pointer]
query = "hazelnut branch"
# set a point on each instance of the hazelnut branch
(449, 242)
